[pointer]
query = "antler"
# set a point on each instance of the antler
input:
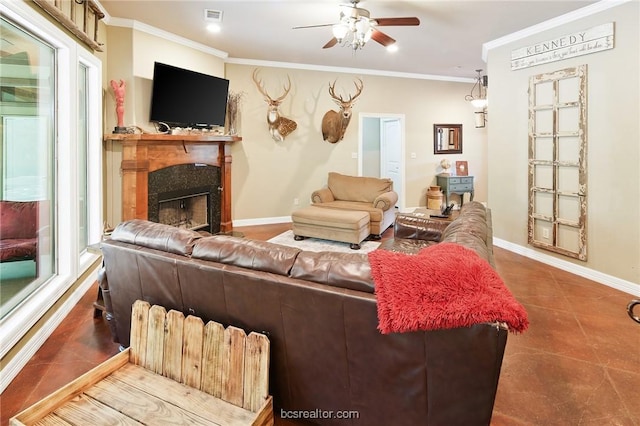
(352, 98)
(358, 90)
(260, 85)
(286, 90)
(262, 90)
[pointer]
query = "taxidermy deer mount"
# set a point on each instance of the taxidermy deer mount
(334, 124)
(279, 126)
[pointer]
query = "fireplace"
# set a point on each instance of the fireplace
(145, 154)
(186, 196)
(189, 211)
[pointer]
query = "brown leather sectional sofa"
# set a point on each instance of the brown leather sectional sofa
(329, 362)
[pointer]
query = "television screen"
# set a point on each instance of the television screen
(184, 98)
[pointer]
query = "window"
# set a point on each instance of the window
(83, 140)
(28, 167)
(50, 148)
(557, 162)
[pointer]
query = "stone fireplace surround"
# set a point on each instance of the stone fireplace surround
(182, 181)
(145, 153)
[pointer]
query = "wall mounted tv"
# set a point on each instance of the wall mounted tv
(184, 98)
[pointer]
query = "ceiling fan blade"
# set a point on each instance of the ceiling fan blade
(397, 21)
(330, 43)
(313, 26)
(382, 38)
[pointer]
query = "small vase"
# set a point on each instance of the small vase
(233, 123)
(434, 198)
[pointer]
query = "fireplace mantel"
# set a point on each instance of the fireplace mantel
(144, 153)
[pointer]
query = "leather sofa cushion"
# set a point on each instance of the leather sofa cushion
(156, 236)
(470, 229)
(246, 253)
(405, 245)
(471, 221)
(419, 228)
(345, 270)
(357, 188)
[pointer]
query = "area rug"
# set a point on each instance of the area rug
(317, 244)
(444, 286)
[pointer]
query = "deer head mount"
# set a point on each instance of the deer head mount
(279, 126)
(334, 123)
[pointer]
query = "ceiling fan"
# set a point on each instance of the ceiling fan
(355, 27)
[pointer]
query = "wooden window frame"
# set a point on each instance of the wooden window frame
(554, 220)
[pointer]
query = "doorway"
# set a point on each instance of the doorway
(381, 149)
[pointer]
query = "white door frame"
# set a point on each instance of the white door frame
(401, 119)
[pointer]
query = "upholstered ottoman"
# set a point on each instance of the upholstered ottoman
(348, 226)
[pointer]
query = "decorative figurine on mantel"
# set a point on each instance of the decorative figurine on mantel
(118, 90)
(446, 165)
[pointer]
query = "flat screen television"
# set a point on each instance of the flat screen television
(184, 98)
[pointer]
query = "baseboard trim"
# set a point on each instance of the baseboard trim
(262, 221)
(599, 277)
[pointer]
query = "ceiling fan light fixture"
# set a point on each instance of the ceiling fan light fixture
(362, 25)
(478, 98)
(355, 27)
(340, 31)
(479, 103)
(392, 48)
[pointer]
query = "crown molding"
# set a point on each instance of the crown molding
(139, 26)
(359, 71)
(550, 24)
(148, 29)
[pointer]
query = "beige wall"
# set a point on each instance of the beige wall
(613, 143)
(130, 57)
(269, 175)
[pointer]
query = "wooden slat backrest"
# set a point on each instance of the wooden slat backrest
(172, 360)
(155, 339)
(225, 363)
(213, 356)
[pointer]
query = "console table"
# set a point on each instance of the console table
(144, 153)
(455, 185)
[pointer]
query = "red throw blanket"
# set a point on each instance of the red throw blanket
(444, 286)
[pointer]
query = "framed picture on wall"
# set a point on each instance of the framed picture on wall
(462, 168)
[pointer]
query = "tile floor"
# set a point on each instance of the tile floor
(578, 364)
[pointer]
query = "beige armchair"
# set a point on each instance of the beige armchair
(369, 194)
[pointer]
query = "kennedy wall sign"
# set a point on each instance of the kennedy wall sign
(581, 43)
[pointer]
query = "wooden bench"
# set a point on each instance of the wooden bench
(178, 370)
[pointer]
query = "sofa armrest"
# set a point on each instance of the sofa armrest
(323, 195)
(386, 201)
(418, 228)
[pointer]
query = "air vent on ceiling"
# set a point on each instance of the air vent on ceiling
(213, 15)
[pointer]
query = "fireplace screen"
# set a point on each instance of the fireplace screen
(188, 212)
(186, 196)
